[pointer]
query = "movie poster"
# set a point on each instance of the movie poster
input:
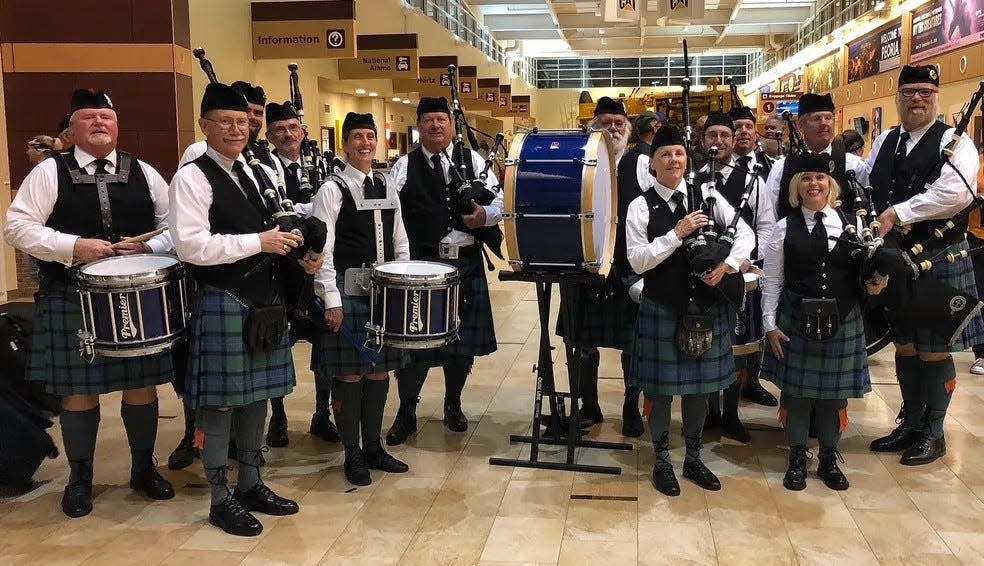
(944, 26)
(823, 75)
(876, 125)
(875, 53)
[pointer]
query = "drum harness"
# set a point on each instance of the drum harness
(102, 181)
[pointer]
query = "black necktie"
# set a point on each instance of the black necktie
(901, 151)
(819, 230)
(293, 184)
(681, 210)
(101, 167)
(436, 160)
(370, 189)
(249, 188)
(745, 163)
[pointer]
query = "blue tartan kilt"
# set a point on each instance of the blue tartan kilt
(656, 366)
(476, 335)
(604, 316)
(221, 371)
(55, 360)
(337, 356)
(833, 369)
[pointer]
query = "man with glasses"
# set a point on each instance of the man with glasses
(899, 159)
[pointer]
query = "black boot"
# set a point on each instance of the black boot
(185, 453)
(323, 428)
(632, 425)
(754, 392)
(902, 438)
(454, 419)
(262, 499)
(795, 478)
(734, 429)
(588, 365)
(664, 480)
(828, 470)
(77, 499)
(694, 469)
(276, 436)
(927, 448)
(379, 459)
(356, 467)
(148, 480)
(404, 424)
(232, 517)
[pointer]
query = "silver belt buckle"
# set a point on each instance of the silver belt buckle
(448, 251)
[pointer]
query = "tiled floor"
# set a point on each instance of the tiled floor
(454, 508)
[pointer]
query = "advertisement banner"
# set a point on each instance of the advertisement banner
(877, 52)
(823, 75)
(943, 26)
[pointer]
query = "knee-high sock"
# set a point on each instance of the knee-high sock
(828, 422)
(694, 410)
(248, 422)
(753, 365)
(938, 379)
(322, 394)
(797, 410)
(215, 424)
(589, 360)
(409, 381)
(730, 403)
(455, 376)
(140, 422)
(348, 410)
(659, 416)
(908, 369)
(714, 403)
(79, 431)
(373, 402)
(189, 417)
(631, 393)
(277, 407)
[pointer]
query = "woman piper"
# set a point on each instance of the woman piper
(683, 334)
(813, 321)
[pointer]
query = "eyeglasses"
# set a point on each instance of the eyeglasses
(229, 123)
(923, 92)
(617, 124)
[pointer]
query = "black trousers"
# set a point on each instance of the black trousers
(978, 261)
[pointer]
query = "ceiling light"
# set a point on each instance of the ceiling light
(601, 31)
(360, 91)
(397, 99)
(880, 5)
(373, 94)
(598, 10)
(406, 101)
(685, 28)
(604, 41)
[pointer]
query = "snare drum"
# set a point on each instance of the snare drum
(132, 305)
(748, 329)
(560, 200)
(413, 305)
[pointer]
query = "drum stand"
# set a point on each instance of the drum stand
(545, 385)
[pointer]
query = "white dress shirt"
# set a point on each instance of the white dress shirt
(774, 276)
(191, 198)
(763, 208)
(644, 255)
(197, 149)
(851, 161)
(948, 195)
(327, 203)
(643, 176)
(35, 201)
(493, 211)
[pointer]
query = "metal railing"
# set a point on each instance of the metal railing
(598, 72)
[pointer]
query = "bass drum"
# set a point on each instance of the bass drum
(877, 330)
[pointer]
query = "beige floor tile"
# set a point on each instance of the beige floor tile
(595, 552)
(676, 543)
(823, 546)
(524, 539)
(365, 545)
(959, 512)
(441, 550)
(688, 507)
(815, 506)
(901, 536)
(968, 547)
(740, 545)
(594, 519)
(210, 557)
(530, 498)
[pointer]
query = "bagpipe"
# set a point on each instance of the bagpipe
(299, 288)
(760, 156)
(796, 142)
(313, 169)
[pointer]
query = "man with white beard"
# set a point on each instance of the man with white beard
(605, 316)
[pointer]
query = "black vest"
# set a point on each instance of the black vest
(77, 210)
(427, 204)
(628, 190)
(232, 213)
(892, 182)
(839, 174)
(732, 191)
(811, 270)
(355, 233)
(292, 184)
(671, 283)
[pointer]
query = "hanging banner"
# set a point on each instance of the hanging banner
(468, 82)
(823, 75)
(877, 52)
(678, 10)
(488, 96)
(505, 102)
(434, 79)
(307, 29)
(939, 27)
(387, 56)
(622, 10)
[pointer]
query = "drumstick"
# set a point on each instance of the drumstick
(143, 237)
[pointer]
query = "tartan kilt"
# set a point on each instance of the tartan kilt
(476, 335)
(221, 372)
(833, 369)
(960, 276)
(54, 357)
(656, 366)
(604, 317)
(337, 356)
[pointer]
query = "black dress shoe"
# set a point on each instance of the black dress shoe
(632, 425)
(233, 518)
(795, 478)
(323, 428)
(149, 482)
(454, 419)
(380, 459)
(925, 450)
(404, 425)
(664, 480)
(184, 455)
(592, 413)
(262, 499)
(759, 395)
(828, 470)
(276, 436)
(734, 429)
(902, 438)
(356, 467)
(697, 472)
(77, 500)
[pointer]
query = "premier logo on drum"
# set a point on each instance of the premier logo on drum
(129, 329)
(416, 324)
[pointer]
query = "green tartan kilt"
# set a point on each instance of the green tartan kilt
(656, 366)
(604, 317)
(221, 372)
(54, 358)
(960, 276)
(476, 334)
(833, 369)
(337, 356)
